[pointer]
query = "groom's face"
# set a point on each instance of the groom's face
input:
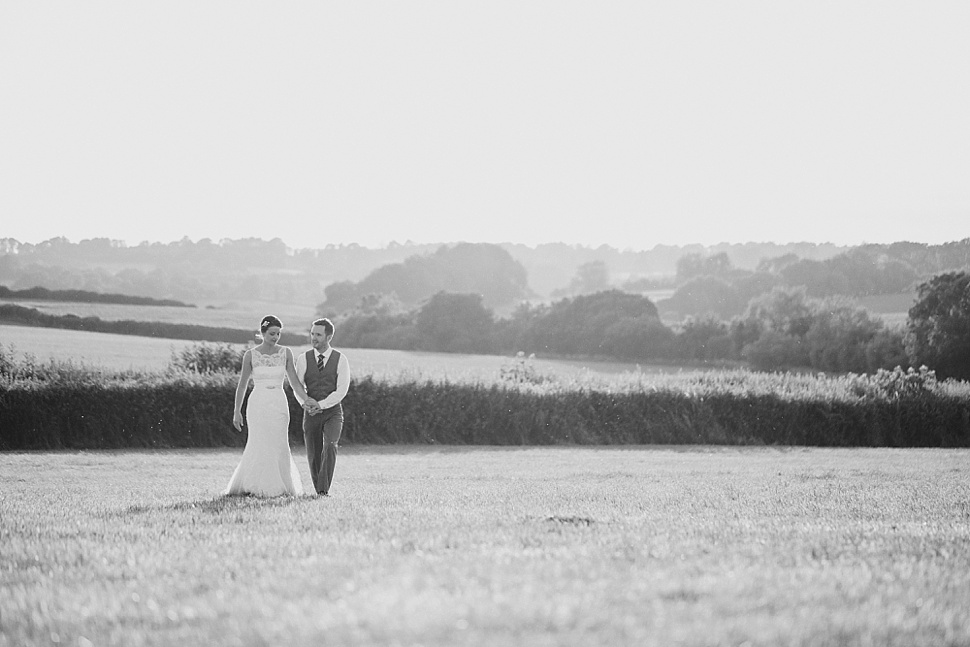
(319, 338)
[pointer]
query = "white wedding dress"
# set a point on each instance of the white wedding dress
(267, 468)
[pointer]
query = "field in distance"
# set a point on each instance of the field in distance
(129, 352)
(231, 315)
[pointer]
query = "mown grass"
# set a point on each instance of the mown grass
(488, 546)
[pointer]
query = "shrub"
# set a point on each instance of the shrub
(521, 370)
(208, 358)
(897, 383)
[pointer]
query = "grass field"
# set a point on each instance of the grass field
(129, 352)
(449, 546)
(240, 316)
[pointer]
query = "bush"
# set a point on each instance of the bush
(521, 370)
(208, 358)
(898, 383)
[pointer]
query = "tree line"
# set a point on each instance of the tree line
(711, 285)
(268, 270)
(86, 296)
(782, 329)
(21, 315)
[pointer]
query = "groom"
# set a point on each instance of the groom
(325, 374)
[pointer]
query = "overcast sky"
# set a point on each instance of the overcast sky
(626, 123)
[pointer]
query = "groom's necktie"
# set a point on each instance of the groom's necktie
(320, 362)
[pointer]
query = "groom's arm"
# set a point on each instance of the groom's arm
(343, 384)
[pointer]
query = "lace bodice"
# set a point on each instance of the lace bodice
(269, 370)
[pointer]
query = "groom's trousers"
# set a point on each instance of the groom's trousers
(322, 434)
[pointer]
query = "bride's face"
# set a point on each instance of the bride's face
(272, 334)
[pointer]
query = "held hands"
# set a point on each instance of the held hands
(312, 407)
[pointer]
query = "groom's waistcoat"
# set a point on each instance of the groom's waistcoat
(321, 382)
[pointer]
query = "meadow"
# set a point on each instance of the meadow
(491, 546)
(129, 352)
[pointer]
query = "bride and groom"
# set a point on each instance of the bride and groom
(320, 379)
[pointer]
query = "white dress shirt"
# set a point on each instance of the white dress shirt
(343, 375)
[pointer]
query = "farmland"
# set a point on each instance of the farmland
(232, 315)
(128, 352)
(488, 546)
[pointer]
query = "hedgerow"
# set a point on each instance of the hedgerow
(81, 409)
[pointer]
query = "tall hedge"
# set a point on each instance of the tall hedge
(196, 411)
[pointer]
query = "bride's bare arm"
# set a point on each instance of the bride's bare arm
(247, 369)
(299, 392)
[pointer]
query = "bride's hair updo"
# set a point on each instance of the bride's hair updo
(268, 322)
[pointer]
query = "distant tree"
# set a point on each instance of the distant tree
(647, 284)
(783, 310)
(939, 325)
(775, 325)
(809, 275)
(395, 331)
(379, 304)
(486, 270)
(341, 297)
(774, 350)
(591, 277)
(786, 329)
(691, 266)
(580, 325)
(750, 286)
(516, 332)
(859, 272)
(455, 323)
(777, 263)
(704, 339)
(839, 337)
(643, 337)
(705, 295)
(887, 349)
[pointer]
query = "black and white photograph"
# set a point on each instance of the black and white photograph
(438, 324)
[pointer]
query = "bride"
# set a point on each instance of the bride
(266, 468)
